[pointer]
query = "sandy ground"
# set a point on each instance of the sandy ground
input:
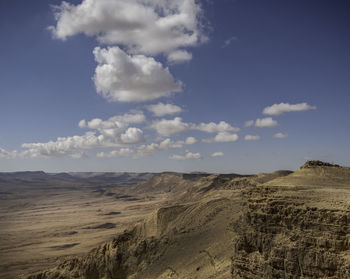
(39, 225)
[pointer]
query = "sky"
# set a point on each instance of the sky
(225, 86)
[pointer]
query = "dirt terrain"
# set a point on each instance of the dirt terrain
(45, 217)
(278, 225)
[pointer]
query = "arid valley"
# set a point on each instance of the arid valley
(186, 139)
(172, 225)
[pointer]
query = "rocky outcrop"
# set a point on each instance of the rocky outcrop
(316, 163)
(280, 237)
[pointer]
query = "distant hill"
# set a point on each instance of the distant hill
(315, 173)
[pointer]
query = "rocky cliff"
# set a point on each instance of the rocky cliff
(282, 237)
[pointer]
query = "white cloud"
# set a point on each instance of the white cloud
(82, 123)
(166, 127)
(223, 137)
(114, 122)
(120, 77)
(190, 140)
(162, 109)
(249, 123)
(147, 26)
(123, 152)
(154, 147)
(76, 145)
(188, 155)
(252, 137)
(179, 56)
(212, 127)
(280, 136)
(166, 144)
(132, 136)
(281, 108)
(64, 146)
(133, 117)
(112, 132)
(217, 154)
(265, 122)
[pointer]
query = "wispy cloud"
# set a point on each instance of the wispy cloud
(277, 109)
(149, 149)
(223, 137)
(229, 41)
(188, 155)
(251, 137)
(217, 154)
(123, 152)
(280, 136)
(7, 154)
(249, 123)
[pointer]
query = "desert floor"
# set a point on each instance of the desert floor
(39, 225)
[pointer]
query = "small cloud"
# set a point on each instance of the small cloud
(265, 122)
(229, 41)
(281, 108)
(161, 109)
(187, 156)
(217, 154)
(179, 56)
(150, 149)
(223, 137)
(79, 155)
(191, 140)
(123, 152)
(212, 127)
(251, 137)
(280, 136)
(132, 136)
(82, 124)
(166, 127)
(249, 123)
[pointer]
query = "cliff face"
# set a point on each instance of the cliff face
(281, 237)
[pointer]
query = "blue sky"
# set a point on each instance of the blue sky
(115, 85)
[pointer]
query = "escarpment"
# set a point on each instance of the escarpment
(280, 236)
